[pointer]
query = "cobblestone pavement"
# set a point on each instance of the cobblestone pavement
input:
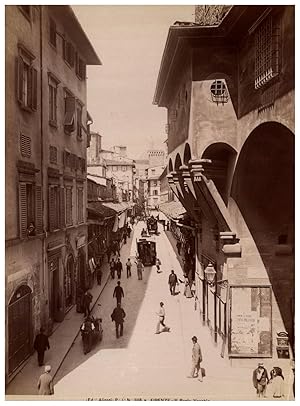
(142, 364)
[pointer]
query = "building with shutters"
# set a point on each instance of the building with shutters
(47, 132)
(153, 186)
(227, 82)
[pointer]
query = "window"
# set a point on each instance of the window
(266, 51)
(123, 168)
(155, 192)
(26, 80)
(70, 106)
(30, 209)
(80, 205)
(114, 168)
(152, 171)
(80, 68)
(52, 33)
(79, 120)
(69, 218)
(52, 154)
(68, 53)
(56, 207)
(25, 146)
(52, 83)
(219, 93)
(155, 183)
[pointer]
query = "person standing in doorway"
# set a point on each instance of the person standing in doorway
(118, 292)
(45, 382)
(161, 319)
(128, 268)
(119, 268)
(260, 380)
(118, 316)
(196, 360)
(172, 282)
(41, 344)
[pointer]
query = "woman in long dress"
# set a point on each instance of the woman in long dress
(276, 385)
(187, 290)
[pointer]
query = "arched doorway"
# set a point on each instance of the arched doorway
(178, 162)
(220, 170)
(19, 327)
(170, 165)
(187, 154)
(263, 189)
(69, 282)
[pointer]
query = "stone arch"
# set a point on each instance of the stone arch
(263, 189)
(223, 158)
(170, 166)
(178, 162)
(187, 154)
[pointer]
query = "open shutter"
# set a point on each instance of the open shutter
(51, 208)
(19, 78)
(70, 105)
(33, 88)
(23, 209)
(38, 209)
(62, 207)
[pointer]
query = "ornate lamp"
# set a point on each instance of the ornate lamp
(210, 273)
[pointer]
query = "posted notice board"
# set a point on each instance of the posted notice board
(250, 330)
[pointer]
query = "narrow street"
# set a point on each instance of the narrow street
(142, 364)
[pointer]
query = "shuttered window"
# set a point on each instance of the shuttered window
(79, 120)
(80, 68)
(53, 154)
(68, 53)
(26, 82)
(30, 209)
(62, 214)
(69, 218)
(70, 108)
(25, 146)
(52, 32)
(80, 205)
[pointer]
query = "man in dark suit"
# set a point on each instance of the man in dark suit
(118, 293)
(41, 344)
(260, 380)
(118, 316)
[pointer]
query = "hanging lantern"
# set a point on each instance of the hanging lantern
(210, 273)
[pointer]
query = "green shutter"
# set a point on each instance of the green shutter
(23, 209)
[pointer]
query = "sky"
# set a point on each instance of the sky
(129, 41)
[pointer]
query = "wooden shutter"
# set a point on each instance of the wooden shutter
(70, 105)
(62, 219)
(23, 209)
(51, 208)
(33, 88)
(38, 209)
(19, 78)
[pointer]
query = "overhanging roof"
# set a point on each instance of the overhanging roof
(174, 209)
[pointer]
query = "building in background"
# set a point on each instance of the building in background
(47, 127)
(230, 102)
(153, 183)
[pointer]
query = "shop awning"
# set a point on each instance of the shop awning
(117, 207)
(100, 210)
(173, 210)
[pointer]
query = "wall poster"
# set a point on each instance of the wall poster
(250, 330)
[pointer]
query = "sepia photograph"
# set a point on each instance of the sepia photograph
(149, 202)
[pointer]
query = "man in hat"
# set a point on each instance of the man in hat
(41, 344)
(172, 282)
(260, 380)
(161, 319)
(118, 316)
(196, 359)
(45, 382)
(118, 292)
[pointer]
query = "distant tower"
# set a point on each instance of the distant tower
(93, 152)
(156, 157)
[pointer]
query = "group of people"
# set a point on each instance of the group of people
(262, 383)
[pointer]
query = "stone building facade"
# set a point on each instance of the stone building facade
(229, 91)
(46, 138)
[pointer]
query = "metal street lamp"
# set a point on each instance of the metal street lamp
(210, 273)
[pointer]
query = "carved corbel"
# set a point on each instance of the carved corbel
(187, 181)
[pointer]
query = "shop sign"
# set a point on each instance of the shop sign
(250, 332)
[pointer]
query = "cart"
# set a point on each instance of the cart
(146, 249)
(152, 225)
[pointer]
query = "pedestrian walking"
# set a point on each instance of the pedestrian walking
(260, 380)
(161, 319)
(276, 383)
(118, 293)
(158, 264)
(128, 230)
(128, 268)
(196, 360)
(118, 316)
(99, 274)
(173, 281)
(87, 299)
(112, 267)
(45, 382)
(41, 344)
(119, 268)
(125, 237)
(187, 289)
(139, 268)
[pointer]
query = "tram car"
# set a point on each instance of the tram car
(146, 249)
(152, 225)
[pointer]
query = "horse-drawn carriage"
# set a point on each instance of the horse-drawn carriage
(146, 249)
(91, 333)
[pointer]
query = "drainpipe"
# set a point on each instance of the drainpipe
(42, 154)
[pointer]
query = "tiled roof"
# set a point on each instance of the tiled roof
(172, 209)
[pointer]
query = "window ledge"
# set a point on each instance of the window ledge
(54, 47)
(25, 108)
(79, 138)
(53, 124)
(68, 65)
(68, 132)
(80, 78)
